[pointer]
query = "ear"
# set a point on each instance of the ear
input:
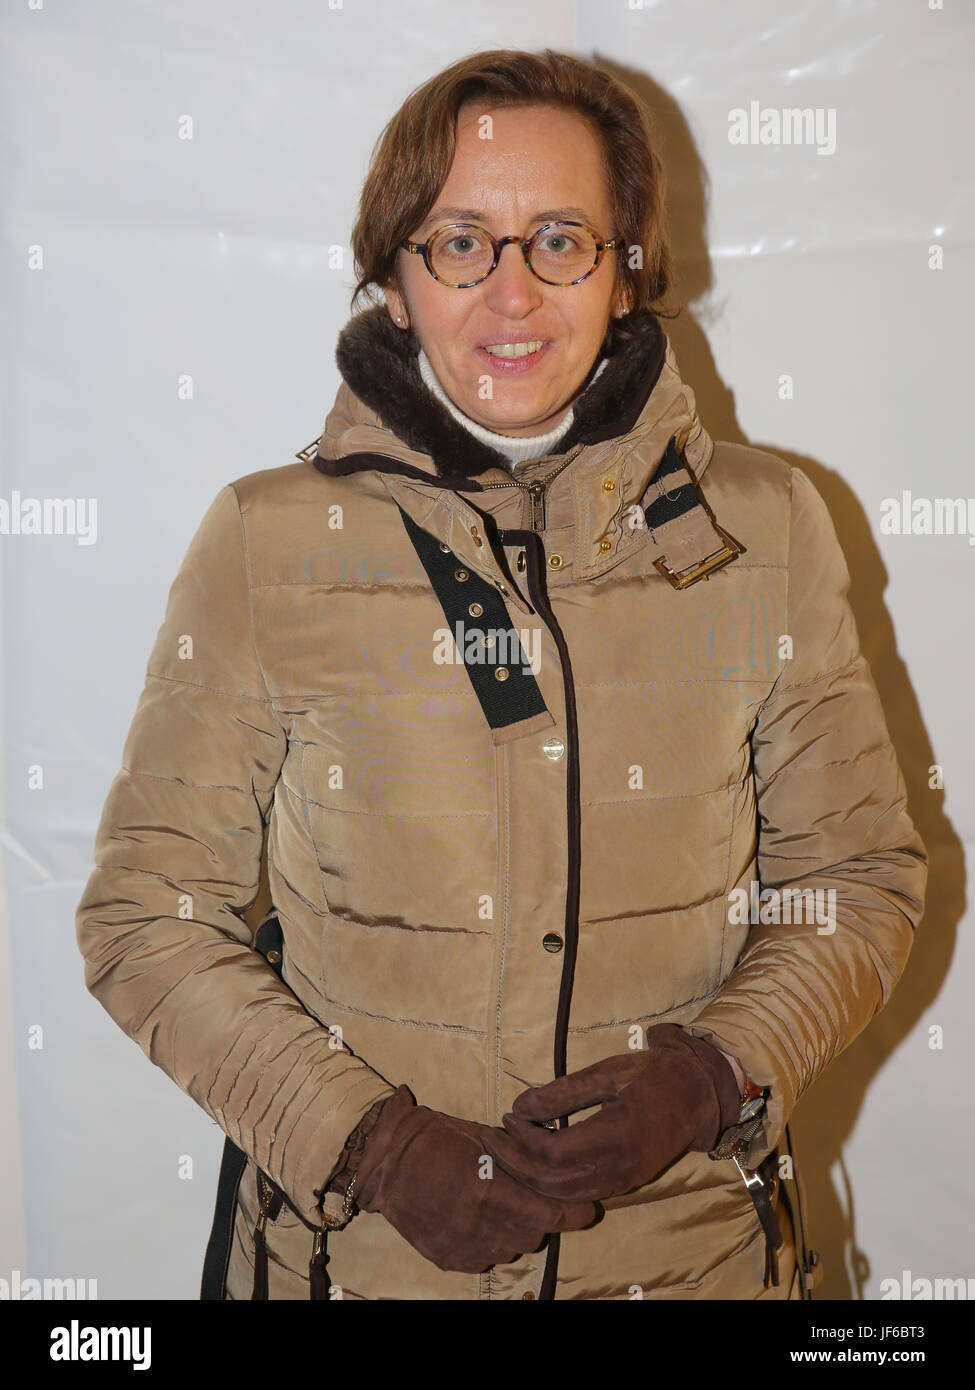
(397, 307)
(623, 301)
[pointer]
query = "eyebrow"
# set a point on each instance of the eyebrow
(453, 214)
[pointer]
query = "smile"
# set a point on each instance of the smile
(513, 349)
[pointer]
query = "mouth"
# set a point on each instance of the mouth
(511, 359)
(510, 351)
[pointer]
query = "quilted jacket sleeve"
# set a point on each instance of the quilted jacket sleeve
(832, 811)
(177, 856)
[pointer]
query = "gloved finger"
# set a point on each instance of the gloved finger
(541, 1171)
(537, 1140)
(554, 1204)
(475, 1262)
(504, 1240)
(570, 1215)
(522, 1240)
(471, 1246)
(518, 1233)
(521, 1206)
(527, 1234)
(579, 1089)
(564, 1150)
(572, 1149)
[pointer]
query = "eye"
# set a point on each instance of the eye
(557, 243)
(463, 243)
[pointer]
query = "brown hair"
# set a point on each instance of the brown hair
(413, 155)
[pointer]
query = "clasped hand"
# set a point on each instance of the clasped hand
(424, 1170)
(655, 1105)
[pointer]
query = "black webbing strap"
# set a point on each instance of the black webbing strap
(505, 701)
(668, 506)
(213, 1284)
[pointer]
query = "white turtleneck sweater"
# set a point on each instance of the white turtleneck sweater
(515, 448)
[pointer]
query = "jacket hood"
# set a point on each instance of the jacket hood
(385, 417)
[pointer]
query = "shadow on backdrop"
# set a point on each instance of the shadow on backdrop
(827, 1113)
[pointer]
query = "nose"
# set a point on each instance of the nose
(511, 289)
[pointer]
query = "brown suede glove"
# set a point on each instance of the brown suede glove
(678, 1095)
(351, 1156)
(426, 1173)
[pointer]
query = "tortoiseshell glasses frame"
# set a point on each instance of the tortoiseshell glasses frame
(421, 248)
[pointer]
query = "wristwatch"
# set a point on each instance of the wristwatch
(753, 1100)
(734, 1141)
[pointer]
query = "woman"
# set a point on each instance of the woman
(544, 699)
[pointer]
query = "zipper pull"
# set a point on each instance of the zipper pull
(761, 1194)
(537, 491)
(266, 1196)
(318, 1280)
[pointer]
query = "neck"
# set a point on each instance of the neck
(515, 448)
(379, 365)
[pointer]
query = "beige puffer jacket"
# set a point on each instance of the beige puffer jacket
(490, 872)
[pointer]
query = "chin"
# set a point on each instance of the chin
(516, 404)
(502, 423)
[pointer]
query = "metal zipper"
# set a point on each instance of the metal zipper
(536, 489)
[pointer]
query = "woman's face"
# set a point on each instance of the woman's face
(539, 163)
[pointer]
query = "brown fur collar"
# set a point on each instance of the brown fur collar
(379, 363)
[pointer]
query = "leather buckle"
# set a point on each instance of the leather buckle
(680, 579)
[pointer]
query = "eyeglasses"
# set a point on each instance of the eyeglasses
(462, 254)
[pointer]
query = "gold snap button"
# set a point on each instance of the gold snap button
(445, 548)
(608, 484)
(461, 574)
(529, 1294)
(555, 562)
(475, 610)
(605, 543)
(521, 560)
(274, 957)
(502, 673)
(477, 539)
(552, 941)
(553, 748)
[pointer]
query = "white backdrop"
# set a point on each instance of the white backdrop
(135, 257)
